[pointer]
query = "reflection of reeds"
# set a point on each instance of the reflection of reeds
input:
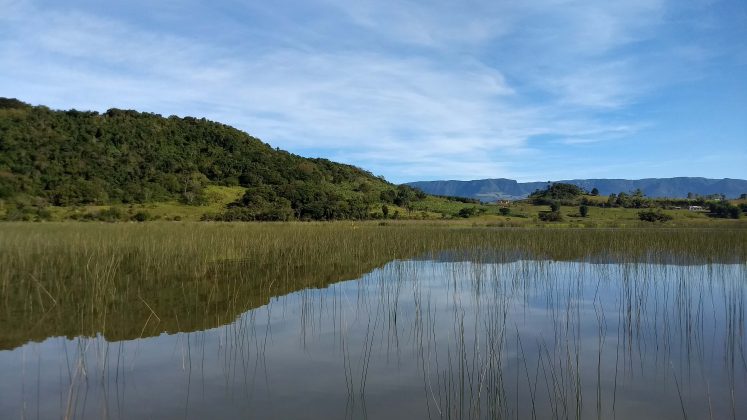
(657, 310)
(73, 279)
(492, 332)
(524, 339)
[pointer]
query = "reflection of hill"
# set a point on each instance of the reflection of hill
(151, 307)
(125, 281)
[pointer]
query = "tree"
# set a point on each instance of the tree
(654, 216)
(583, 210)
(557, 191)
(405, 195)
(385, 210)
(141, 216)
(505, 211)
(388, 196)
(467, 212)
(12, 103)
(623, 200)
(724, 210)
(554, 206)
(192, 186)
(71, 158)
(594, 191)
(550, 216)
(612, 200)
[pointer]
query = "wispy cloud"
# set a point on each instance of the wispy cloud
(408, 89)
(435, 24)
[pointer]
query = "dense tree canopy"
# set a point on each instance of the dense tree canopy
(564, 193)
(76, 158)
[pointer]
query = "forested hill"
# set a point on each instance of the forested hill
(70, 158)
(493, 189)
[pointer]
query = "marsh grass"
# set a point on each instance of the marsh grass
(132, 280)
(545, 339)
(499, 323)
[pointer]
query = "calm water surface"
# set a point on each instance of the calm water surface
(424, 339)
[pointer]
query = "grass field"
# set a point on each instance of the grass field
(522, 214)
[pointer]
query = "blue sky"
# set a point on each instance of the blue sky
(413, 90)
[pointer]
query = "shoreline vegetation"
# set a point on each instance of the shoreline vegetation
(580, 211)
(431, 212)
(125, 281)
(124, 165)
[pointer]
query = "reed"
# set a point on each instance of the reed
(497, 323)
(130, 280)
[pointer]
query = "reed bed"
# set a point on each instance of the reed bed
(131, 280)
(541, 339)
(495, 323)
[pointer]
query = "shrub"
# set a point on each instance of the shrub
(25, 213)
(583, 210)
(654, 216)
(505, 211)
(467, 212)
(141, 216)
(17, 215)
(112, 214)
(724, 210)
(550, 216)
(245, 214)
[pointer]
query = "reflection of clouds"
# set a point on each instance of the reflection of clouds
(411, 328)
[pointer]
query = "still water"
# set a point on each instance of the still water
(430, 338)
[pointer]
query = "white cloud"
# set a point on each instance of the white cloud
(435, 23)
(451, 88)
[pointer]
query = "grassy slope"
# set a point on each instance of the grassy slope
(218, 198)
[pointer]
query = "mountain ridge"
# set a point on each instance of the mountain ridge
(492, 189)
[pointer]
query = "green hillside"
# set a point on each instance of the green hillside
(65, 159)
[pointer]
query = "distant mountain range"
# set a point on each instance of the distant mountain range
(509, 189)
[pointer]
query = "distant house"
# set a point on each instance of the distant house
(696, 208)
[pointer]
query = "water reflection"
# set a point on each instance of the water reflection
(425, 338)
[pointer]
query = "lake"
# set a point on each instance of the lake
(466, 326)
